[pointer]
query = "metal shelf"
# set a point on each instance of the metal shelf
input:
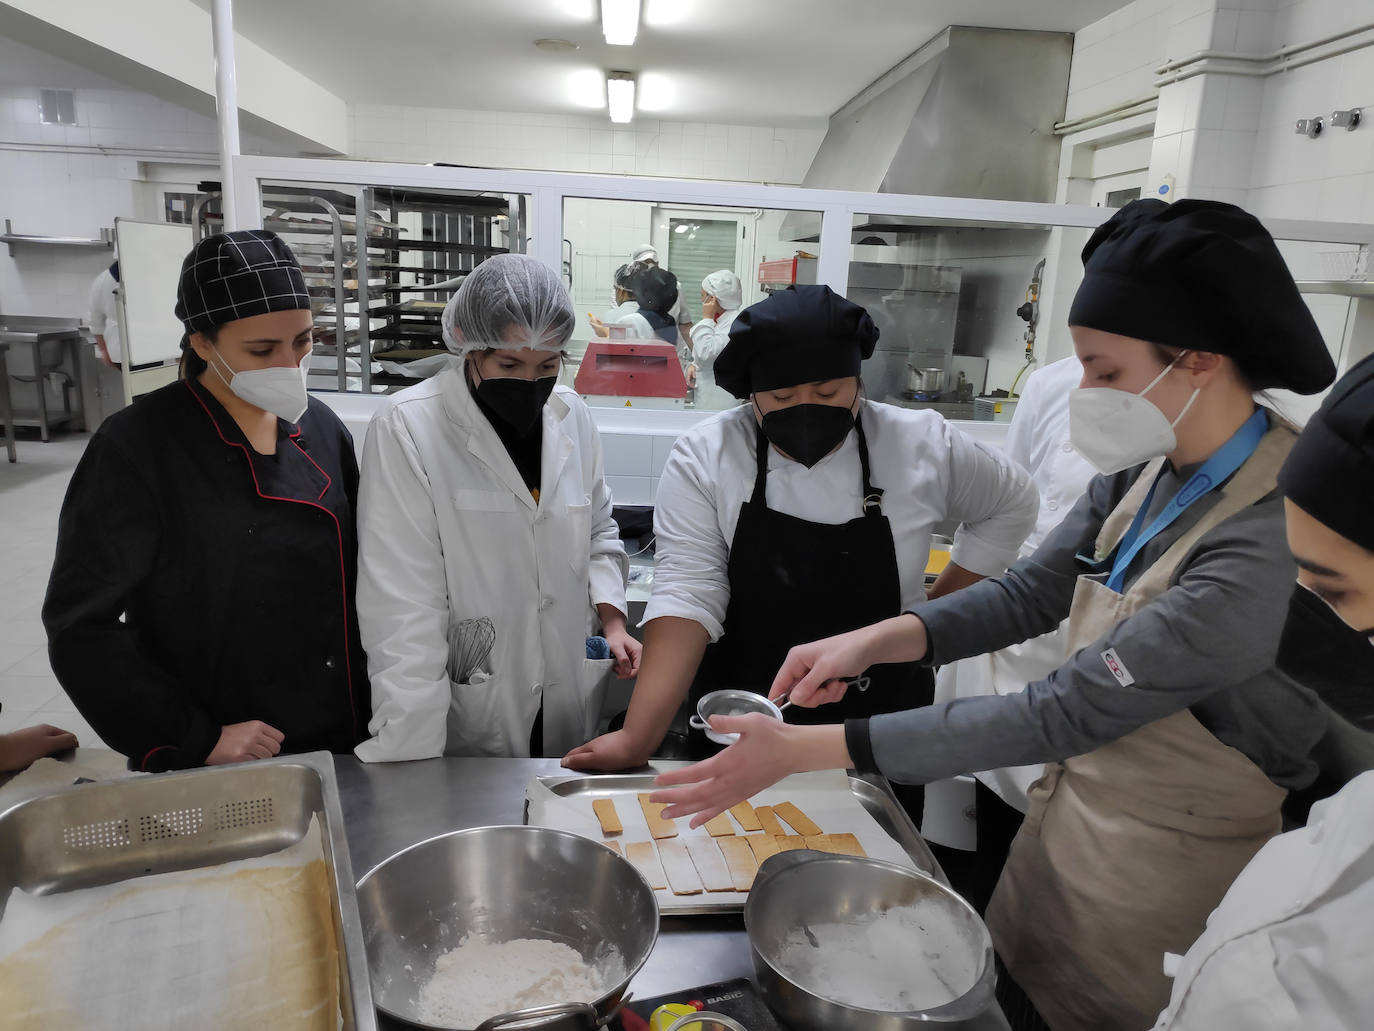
(104, 242)
(1339, 287)
(408, 331)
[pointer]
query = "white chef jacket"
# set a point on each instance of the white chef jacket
(1291, 947)
(102, 315)
(636, 325)
(709, 337)
(1038, 440)
(448, 531)
(929, 471)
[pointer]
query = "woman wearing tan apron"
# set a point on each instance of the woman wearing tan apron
(1171, 737)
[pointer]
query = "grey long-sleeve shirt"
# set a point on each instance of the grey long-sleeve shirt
(1207, 644)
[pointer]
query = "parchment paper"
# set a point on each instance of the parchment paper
(824, 796)
(244, 945)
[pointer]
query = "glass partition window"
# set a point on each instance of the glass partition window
(964, 311)
(622, 356)
(380, 263)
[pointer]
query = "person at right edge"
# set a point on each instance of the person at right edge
(1291, 947)
(1172, 737)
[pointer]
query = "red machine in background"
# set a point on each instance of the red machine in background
(632, 374)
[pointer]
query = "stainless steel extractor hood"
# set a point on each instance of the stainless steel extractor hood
(969, 114)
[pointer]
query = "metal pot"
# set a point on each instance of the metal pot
(803, 888)
(503, 883)
(924, 381)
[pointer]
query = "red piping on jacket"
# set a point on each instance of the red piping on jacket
(151, 752)
(338, 534)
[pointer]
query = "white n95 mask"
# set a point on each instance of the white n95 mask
(1115, 429)
(279, 389)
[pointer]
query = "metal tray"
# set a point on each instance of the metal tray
(871, 789)
(94, 834)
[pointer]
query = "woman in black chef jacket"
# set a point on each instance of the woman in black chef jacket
(200, 609)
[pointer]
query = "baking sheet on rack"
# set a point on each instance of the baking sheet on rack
(243, 945)
(825, 796)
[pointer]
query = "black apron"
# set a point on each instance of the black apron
(794, 581)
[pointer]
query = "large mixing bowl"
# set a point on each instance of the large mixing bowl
(501, 883)
(796, 891)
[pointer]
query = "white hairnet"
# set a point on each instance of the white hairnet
(647, 252)
(505, 291)
(725, 287)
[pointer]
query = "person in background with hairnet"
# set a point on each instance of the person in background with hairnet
(483, 498)
(626, 306)
(722, 295)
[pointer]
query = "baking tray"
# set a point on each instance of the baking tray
(872, 791)
(95, 834)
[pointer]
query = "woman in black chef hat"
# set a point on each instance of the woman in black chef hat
(200, 608)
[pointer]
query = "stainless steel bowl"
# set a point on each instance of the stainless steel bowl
(502, 883)
(729, 702)
(802, 889)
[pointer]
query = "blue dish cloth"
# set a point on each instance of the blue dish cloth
(597, 648)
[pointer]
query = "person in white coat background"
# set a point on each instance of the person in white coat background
(722, 295)
(626, 310)
(1291, 946)
(1038, 440)
(483, 497)
(102, 315)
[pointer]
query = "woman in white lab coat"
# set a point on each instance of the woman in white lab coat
(722, 294)
(1291, 946)
(483, 498)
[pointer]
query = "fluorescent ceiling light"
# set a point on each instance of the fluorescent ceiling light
(620, 95)
(620, 21)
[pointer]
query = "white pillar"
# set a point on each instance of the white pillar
(227, 106)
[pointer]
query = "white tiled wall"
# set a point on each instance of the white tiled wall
(634, 463)
(1230, 137)
(1114, 59)
(59, 180)
(583, 143)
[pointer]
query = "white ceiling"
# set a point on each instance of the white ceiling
(776, 62)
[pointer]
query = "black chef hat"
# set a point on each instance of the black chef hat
(804, 334)
(1329, 474)
(231, 276)
(1205, 276)
(655, 288)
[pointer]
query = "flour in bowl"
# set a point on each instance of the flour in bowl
(880, 961)
(479, 979)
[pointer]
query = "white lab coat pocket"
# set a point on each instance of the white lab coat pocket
(596, 676)
(475, 716)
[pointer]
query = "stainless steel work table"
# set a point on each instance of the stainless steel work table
(33, 332)
(388, 806)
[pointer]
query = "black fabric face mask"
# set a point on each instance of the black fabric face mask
(1321, 652)
(520, 402)
(808, 432)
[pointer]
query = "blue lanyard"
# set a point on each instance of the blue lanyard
(1214, 472)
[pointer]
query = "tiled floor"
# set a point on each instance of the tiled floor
(30, 498)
